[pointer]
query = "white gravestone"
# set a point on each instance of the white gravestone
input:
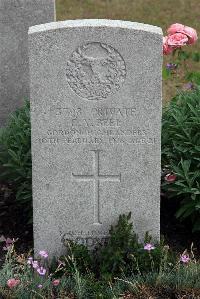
(96, 125)
(16, 16)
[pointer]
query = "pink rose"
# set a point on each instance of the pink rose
(177, 40)
(166, 48)
(174, 28)
(191, 34)
(170, 177)
(56, 282)
(179, 28)
(11, 283)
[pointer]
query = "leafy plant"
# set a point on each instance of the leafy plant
(122, 255)
(125, 255)
(114, 257)
(23, 277)
(181, 153)
(15, 156)
(80, 256)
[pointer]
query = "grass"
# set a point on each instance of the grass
(156, 12)
(178, 282)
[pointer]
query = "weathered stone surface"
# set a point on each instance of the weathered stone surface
(16, 16)
(96, 116)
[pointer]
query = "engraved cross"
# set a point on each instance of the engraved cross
(96, 178)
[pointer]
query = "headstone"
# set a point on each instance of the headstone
(16, 16)
(96, 124)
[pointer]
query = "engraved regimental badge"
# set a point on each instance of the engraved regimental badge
(95, 70)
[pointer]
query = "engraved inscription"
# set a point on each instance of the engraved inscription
(90, 238)
(95, 70)
(90, 241)
(97, 125)
(96, 178)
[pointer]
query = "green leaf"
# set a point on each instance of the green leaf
(181, 149)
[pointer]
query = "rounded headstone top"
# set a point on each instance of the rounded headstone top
(95, 23)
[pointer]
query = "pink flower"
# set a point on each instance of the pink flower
(149, 247)
(191, 34)
(170, 178)
(43, 253)
(177, 40)
(166, 48)
(35, 264)
(40, 286)
(8, 242)
(11, 283)
(174, 28)
(189, 31)
(42, 271)
(185, 258)
(56, 282)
